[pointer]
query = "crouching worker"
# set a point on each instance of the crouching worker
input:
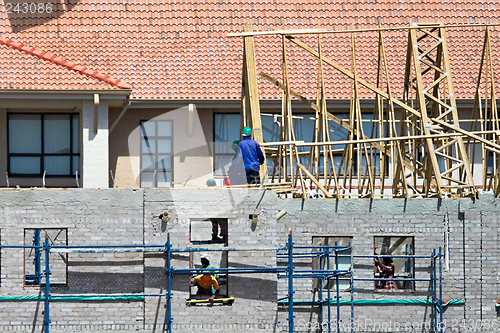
(206, 284)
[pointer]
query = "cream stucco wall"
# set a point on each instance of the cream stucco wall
(192, 160)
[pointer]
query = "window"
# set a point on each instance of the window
(212, 233)
(226, 130)
(41, 143)
(34, 259)
(399, 268)
(343, 260)
(156, 153)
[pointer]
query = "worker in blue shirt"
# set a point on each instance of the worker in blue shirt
(252, 156)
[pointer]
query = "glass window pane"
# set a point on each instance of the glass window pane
(147, 179)
(148, 162)
(76, 165)
(165, 128)
(25, 132)
(270, 129)
(226, 129)
(303, 128)
(222, 163)
(337, 132)
(25, 165)
(148, 146)
(76, 134)
(56, 165)
(164, 162)
(56, 134)
(165, 146)
(223, 148)
(148, 128)
(164, 179)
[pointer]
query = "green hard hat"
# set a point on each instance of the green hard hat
(235, 143)
(247, 131)
(211, 183)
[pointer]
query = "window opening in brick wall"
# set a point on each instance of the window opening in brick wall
(212, 233)
(344, 262)
(386, 266)
(34, 259)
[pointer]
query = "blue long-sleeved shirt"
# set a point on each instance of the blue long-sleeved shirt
(252, 154)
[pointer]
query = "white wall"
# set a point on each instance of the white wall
(95, 147)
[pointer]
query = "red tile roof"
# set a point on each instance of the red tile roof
(64, 63)
(180, 50)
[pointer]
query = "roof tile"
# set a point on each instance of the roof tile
(181, 50)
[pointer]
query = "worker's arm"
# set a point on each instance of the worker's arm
(260, 154)
(216, 287)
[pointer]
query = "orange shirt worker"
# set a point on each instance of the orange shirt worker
(206, 283)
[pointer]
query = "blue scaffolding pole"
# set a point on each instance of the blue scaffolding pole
(169, 319)
(46, 320)
(35, 279)
(322, 253)
(290, 282)
(441, 326)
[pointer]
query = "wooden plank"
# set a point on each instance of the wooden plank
(371, 178)
(399, 172)
(216, 300)
(423, 115)
(334, 118)
(466, 133)
(322, 31)
(314, 180)
(351, 76)
(253, 95)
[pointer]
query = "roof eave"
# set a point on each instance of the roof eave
(138, 103)
(63, 93)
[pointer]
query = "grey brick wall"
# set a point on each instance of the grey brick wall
(119, 217)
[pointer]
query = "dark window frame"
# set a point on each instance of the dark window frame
(41, 155)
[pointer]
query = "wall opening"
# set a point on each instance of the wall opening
(212, 233)
(34, 258)
(388, 264)
(343, 260)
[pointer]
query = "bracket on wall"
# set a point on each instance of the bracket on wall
(96, 112)
(125, 108)
(190, 119)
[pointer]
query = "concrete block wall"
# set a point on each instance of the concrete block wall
(90, 217)
(255, 304)
(473, 277)
(119, 217)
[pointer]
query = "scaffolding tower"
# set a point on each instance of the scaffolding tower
(288, 272)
